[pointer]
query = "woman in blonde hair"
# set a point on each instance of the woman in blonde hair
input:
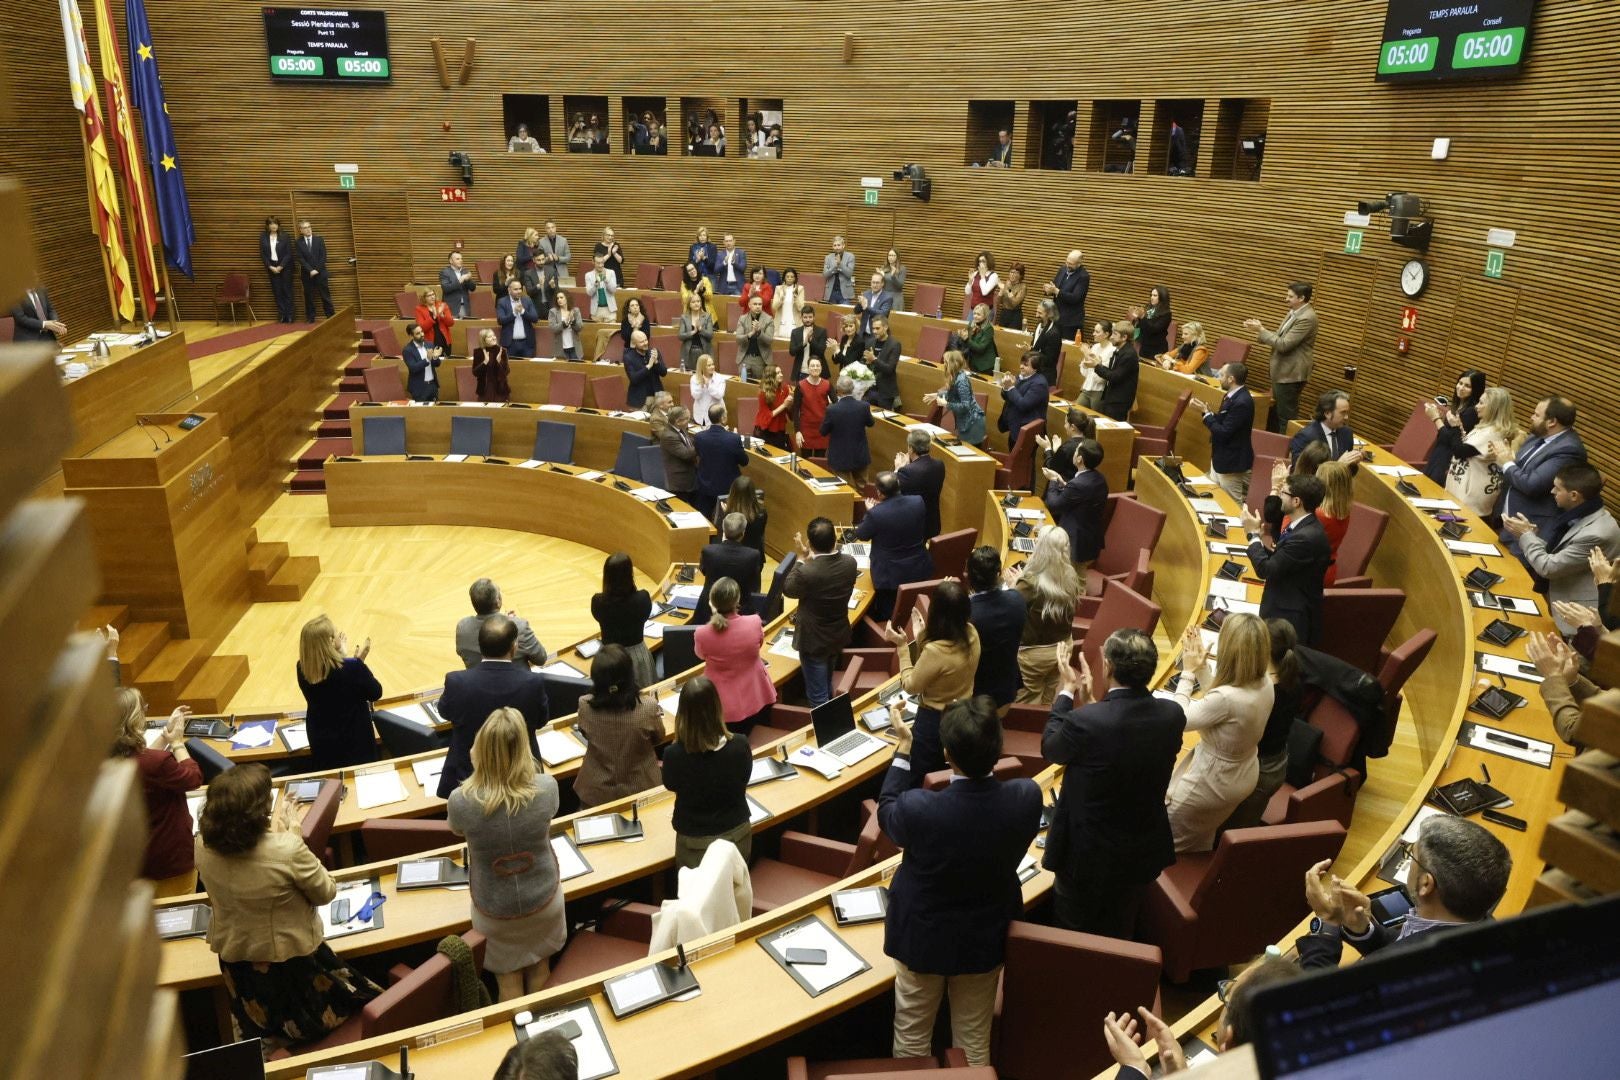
(1222, 770)
(504, 809)
(1473, 479)
(1192, 357)
(981, 342)
(728, 644)
(338, 692)
(167, 773)
(957, 396)
(708, 388)
(1334, 513)
(1048, 583)
(707, 768)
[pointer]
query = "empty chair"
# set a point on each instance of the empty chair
(1221, 907)
(619, 936)
(679, 652)
(1226, 351)
(1323, 789)
(1139, 581)
(647, 275)
(666, 310)
(928, 299)
(316, 826)
(1361, 535)
(402, 738)
(833, 323)
(725, 356)
(747, 414)
(1269, 444)
(1121, 609)
(486, 269)
(482, 304)
(1005, 768)
(473, 337)
(1038, 1033)
(405, 301)
(232, 291)
(610, 392)
(1153, 440)
(668, 346)
(1134, 526)
(773, 598)
(384, 340)
(545, 342)
(1398, 666)
(1355, 623)
(652, 466)
(864, 670)
(950, 551)
(627, 463)
(1260, 485)
(384, 384)
(400, 838)
(466, 385)
(1416, 438)
(567, 388)
(808, 863)
(471, 435)
(554, 442)
(1016, 469)
(209, 760)
(382, 434)
(815, 286)
(931, 342)
(563, 693)
(613, 350)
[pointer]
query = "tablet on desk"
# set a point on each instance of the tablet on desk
(188, 920)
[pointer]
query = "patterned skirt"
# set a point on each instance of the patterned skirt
(295, 1001)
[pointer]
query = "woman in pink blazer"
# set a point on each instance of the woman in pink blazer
(729, 647)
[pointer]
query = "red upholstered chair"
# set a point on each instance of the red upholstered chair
(747, 414)
(473, 335)
(1134, 527)
(1361, 538)
(1222, 907)
(481, 304)
(8, 329)
(833, 322)
(609, 392)
(1268, 444)
(950, 552)
(1121, 609)
(808, 863)
(928, 299)
(486, 269)
(815, 287)
(1021, 731)
(647, 275)
(578, 299)
(613, 350)
(734, 314)
(384, 384)
(1038, 1033)
(621, 935)
(405, 302)
(905, 598)
(400, 838)
(668, 345)
(1226, 351)
(385, 340)
(1331, 794)
(672, 275)
(864, 670)
(232, 291)
(466, 385)
(956, 1065)
(1416, 439)
(686, 397)
(784, 720)
(725, 356)
(567, 388)
(664, 310)
(1260, 483)
(1355, 623)
(1153, 440)
(1398, 665)
(1139, 581)
(1016, 469)
(316, 826)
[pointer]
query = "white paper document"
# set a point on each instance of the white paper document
(249, 737)
(1393, 470)
(1424, 814)
(1205, 506)
(416, 714)
(757, 811)
(1466, 547)
(357, 893)
(689, 519)
(1239, 607)
(591, 474)
(1507, 665)
(671, 702)
(653, 630)
(1513, 604)
(595, 1060)
(379, 787)
(649, 493)
(1506, 743)
(686, 592)
(557, 747)
(154, 738)
(296, 736)
(563, 668)
(811, 757)
(455, 457)
(532, 463)
(1024, 514)
(1434, 504)
(428, 772)
(1229, 590)
(841, 959)
(784, 648)
(569, 862)
(1220, 548)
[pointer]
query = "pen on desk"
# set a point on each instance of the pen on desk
(1485, 771)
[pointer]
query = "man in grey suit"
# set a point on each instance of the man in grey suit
(821, 581)
(1292, 353)
(838, 269)
(456, 286)
(553, 260)
(486, 602)
(1559, 549)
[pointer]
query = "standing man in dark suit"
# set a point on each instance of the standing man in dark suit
(645, 370)
(998, 616)
(276, 251)
(680, 456)
(1078, 504)
(730, 267)
(422, 364)
(1231, 432)
(921, 473)
(456, 285)
(875, 303)
(1292, 566)
(1110, 836)
(1023, 399)
(496, 683)
(1529, 474)
(312, 269)
(1120, 374)
(957, 887)
(848, 453)
(731, 558)
(1067, 290)
(1293, 353)
(882, 355)
(1330, 425)
(517, 316)
(821, 580)
(897, 526)
(35, 318)
(553, 257)
(807, 340)
(721, 459)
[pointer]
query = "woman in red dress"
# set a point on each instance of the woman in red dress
(758, 286)
(775, 399)
(1334, 513)
(810, 400)
(433, 316)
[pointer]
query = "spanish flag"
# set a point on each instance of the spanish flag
(103, 187)
(129, 155)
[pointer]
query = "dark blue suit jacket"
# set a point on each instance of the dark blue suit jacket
(417, 362)
(957, 886)
(1339, 442)
(1293, 572)
(1025, 401)
(873, 305)
(645, 376)
(471, 695)
(718, 268)
(721, 458)
(998, 616)
(1528, 487)
(1078, 507)
(506, 315)
(1231, 431)
(898, 530)
(312, 255)
(925, 477)
(845, 427)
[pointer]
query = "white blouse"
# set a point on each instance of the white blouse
(706, 392)
(786, 304)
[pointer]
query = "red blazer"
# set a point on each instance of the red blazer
(165, 781)
(424, 319)
(765, 291)
(732, 662)
(763, 420)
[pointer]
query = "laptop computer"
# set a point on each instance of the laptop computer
(1493, 999)
(837, 735)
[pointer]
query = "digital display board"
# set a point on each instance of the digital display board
(1428, 41)
(327, 44)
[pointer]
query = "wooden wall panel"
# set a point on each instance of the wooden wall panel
(1528, 154)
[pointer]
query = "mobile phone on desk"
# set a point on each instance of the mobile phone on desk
(340, 911)
(569, 1029)
(807, 956)
(1508, 820)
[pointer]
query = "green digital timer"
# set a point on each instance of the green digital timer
(1489, 48)
(312, 67)
(362, 67)
(1406, 57)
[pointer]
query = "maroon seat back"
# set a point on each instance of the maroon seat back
(1355, 623)
(1007, 768)
(1260, 484)
(664, 310)
(481, 304)
(1227, 351)
(423, 996)
(385, 340)
(928, 300)
(747, 414)
(931, 342)
(833, 321)
(613, 350)
(399, 838)
(405, 301)
(1135, 527)
(647, 275)
(316, 828)
(1020, 466)
(1121, 608)
(668, 345)
(486, 269)
(233, 290)
(1271, 444)
(1041, 1033)
(609, 392)
(567, 388)
(384, 384)
(725, 356)
(906, 597)
(1361, 535)
(950, 551)
(815, 287)
(466, 385)
(8, 329)
(474, 336)
(1416, 439)
(1398, 666)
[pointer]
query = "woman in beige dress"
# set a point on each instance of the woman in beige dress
(1221, 771)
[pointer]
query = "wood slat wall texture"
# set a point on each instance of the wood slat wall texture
(1526, 154)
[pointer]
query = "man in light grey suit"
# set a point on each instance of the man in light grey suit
(838, 269)
(1560, 549)
(486, 602)
(1292, 353)
(456, 286)
(553, 260)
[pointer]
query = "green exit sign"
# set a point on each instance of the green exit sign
(346, 180)
(1352, 242)
(1494, 261)
(871, 196)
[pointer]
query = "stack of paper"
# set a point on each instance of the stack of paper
(532, 463)
(557, 747)
(253, 734)
(455, 457)
(842, 961)
(1229, 590)
(427, 772)
(688, 519)
(564, 669)
(1206, 506)
(649, 493)
(416, 714)
(591, 474)
(378, 787)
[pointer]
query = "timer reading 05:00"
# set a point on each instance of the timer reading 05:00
(1418, 54)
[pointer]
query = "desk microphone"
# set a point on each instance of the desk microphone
(141, 423)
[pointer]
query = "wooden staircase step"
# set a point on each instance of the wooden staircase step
(352, 384)
(290, 582)
(173, 667)
(263, 562)
(334, 429)
(315, 454)
(102, 615)
(338, 407)
(212, 687)
(307, 482)
(1591, 784)
(138, 644)
(1585, 849)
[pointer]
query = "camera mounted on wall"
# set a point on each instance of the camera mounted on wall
(1409, 222)
(463, 161)
(921, 187)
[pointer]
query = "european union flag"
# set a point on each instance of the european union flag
(168, 184)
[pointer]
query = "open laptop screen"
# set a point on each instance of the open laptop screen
(832, 719)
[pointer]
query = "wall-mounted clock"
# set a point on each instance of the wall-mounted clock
(1414, 277)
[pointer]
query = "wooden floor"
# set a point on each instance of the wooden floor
(405, 587)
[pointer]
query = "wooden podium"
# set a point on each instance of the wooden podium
(163, 513)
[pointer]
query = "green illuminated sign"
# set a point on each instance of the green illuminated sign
(309, 66)
(1403, 57)
(1489, 48)
(362, 67)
